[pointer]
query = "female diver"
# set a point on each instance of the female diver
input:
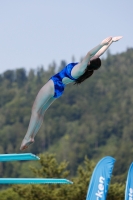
(53, 89)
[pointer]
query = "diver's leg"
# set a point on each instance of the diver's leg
(43, 100)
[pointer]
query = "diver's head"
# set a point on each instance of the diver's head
(91, 67)
(94, 64)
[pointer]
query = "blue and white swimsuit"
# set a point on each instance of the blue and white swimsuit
(59, 86)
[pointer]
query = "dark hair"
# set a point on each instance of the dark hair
(93, 65)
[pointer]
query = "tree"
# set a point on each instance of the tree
(9, 75)
(21, 76)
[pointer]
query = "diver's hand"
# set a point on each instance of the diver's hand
(115, 39)
(106, 41)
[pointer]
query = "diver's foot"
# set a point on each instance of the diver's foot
(25, 143)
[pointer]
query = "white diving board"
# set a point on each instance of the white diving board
(21, 156)
(34, 181)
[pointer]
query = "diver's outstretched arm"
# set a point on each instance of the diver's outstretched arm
(79, 69)
(104, 48)
(43, 100)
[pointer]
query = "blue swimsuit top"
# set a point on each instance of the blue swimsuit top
(59, 86)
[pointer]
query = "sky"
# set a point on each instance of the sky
(39, 32)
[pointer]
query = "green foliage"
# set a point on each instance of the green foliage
(9, 194)
(116, 192)
(50, 167)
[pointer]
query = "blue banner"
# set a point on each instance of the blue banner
(100, 179)
(129, 184)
